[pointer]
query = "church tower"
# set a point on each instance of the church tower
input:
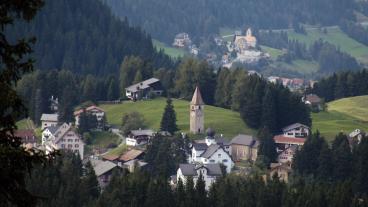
(196, 113)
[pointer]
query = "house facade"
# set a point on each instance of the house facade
(313, 101)
(48, 120)
(244, 147)
(244, 42)
(296, 130)
(144, 89)
(286, 147)
(63, 137)
(94, 110)
(282, 170)
(209, 172)
(28, 137)
(210, 151)
(139, 137)
(103, 171)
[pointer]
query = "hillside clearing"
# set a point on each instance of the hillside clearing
(224, 121)
(171, 51)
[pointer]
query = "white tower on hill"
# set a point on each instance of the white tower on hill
(197, 113)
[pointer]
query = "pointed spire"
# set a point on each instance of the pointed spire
(197, 97)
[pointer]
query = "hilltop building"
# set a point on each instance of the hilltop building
(182, 40)
(245, 42)
(144, 89)
(197, 113)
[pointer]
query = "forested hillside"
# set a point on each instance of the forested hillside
(83, 36)
(165, 18)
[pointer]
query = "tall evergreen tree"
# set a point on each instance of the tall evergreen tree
(269, 113)
(267, 147)
(168, 121)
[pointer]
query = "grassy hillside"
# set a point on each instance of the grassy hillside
(171, 51)
(224, 121)
(343, 115)
(334, 36)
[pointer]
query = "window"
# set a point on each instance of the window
(76, 140)
(77, 145)
(62, 146)
(70, 146)
(219, 155)
(212, 161)
(224, 160)
(290, 133)
(70, 140)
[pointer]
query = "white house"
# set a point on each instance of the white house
(48, 120)
(211, 151)
(296, 130)
(94, 110)
(63, 137)
(209, 172)
(139, 137)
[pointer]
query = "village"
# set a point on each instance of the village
(211, 155)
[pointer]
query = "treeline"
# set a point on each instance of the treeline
(84, 37)
(355, 31)
(343, 84)
(341, 162)
(260, 103)
(329, 57)
(206, 17)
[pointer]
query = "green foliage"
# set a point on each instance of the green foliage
(87, 122)
(168, 121)
(267, 147)
(132, 121)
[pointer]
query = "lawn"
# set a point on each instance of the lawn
(171, 51)
(275, 53)
(224, 121)
(301, 66)
(336, 37)
(343, 115)
(100, 140)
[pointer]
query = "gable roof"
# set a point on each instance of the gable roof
(102, 167)
(281, 139)
(293, 126)
(210, 150)
(131, 155)
(49, 117)
(197, 97)
(243, 139)
(142, 132)
(53, 129)
(200, 146)
(213, 169)
(142, 85)
(188, 169)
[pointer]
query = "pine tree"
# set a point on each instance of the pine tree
(200, 192)
(269, 113)
(190, 192)
(343, 158)
(90, 184)
(267, 147)
(325, 164)
(168, 121)
(180, 194)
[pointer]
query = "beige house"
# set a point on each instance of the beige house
(244, 147)
(282, 169)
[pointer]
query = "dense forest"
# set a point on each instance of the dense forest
(84, 37)
(165, 18)
(341, 85)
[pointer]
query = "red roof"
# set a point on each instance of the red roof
(77, 113)
(281, 139)
(110, 157)
(24, 133)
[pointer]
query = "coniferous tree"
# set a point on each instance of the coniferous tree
(269, 112)
(180, 195)
(200, 191)
(267, 147)
(342, 157)
(168, 121)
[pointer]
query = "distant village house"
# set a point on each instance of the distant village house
(94, 110)
(48, 120)
(139, 137)
(209, 172)
(144, 89)
(244, 147)
(182, 40)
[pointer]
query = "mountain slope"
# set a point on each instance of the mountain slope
(344, 115)
(165, 18)
(83, 36)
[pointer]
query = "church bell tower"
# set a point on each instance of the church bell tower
(196, 113)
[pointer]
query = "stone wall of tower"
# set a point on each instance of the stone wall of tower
(196, 119)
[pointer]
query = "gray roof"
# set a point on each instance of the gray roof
(102, 167)
(222, 141)
(243, 139)
(49, 117)
(142, 132)
(191, 169)
(210, 150)
(200, 146)
(293, 126)
(213, 169)
(188, 169)
(142, 85)
(53, 129)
